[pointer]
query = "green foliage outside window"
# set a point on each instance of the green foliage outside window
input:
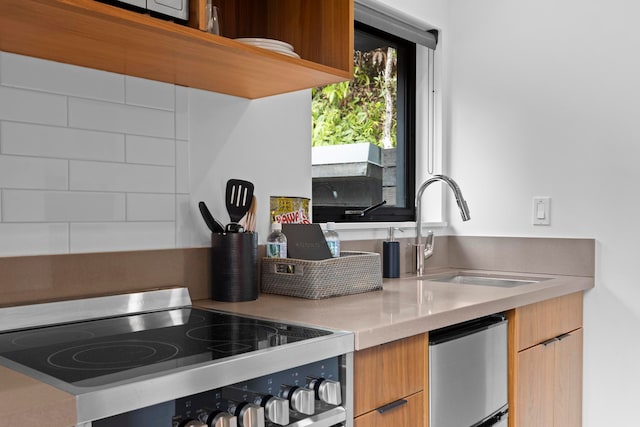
(361, 110)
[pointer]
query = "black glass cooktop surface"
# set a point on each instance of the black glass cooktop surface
(99, 352)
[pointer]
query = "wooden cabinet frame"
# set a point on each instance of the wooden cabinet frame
(101, 36)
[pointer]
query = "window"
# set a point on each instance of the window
(364, 132)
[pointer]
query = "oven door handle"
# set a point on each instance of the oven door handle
(391, 406)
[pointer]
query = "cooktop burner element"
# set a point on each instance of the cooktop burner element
(235, 332)
(90, 353)
(114, 355)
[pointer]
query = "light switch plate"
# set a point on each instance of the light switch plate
(541, 210)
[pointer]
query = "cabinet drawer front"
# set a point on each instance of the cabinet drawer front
(388, 372)
(409, 414)
(534, 385)
(568, 385)
(541, 321)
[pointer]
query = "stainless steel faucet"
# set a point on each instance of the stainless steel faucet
(422, 250)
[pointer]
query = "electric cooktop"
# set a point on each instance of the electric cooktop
(99, 352)
(120, 353)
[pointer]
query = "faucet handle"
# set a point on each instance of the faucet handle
(429, 245)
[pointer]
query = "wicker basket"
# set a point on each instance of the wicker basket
(351, 273)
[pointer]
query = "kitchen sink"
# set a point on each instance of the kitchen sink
(499, 281)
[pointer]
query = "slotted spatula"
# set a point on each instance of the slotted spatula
(238, 198)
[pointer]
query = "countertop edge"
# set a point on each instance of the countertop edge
(290, 309)
(382, 335)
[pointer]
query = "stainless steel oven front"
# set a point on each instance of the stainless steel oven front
(151, 359)
(313, 394)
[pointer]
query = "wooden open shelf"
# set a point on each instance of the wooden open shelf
(97, 35)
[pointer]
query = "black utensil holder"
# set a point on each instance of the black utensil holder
(234, 267)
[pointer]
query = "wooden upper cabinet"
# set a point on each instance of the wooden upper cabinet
(96, 35)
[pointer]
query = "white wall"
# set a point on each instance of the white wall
(266, 141)
(93, 161)
(543, 100)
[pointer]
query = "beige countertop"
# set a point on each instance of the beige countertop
(406, 306)
(27, 401)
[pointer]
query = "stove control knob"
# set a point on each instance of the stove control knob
(222, 419)
(191, 423)
(300, 399)
(276, 409)
(250, 415)
(328, 391)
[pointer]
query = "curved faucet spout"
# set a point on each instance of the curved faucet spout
(421, 253)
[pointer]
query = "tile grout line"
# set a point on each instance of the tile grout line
(175, 166)
(68, 190)
(69, 224)
(68, 175)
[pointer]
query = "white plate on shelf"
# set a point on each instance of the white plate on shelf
(254, 41)
(279, 50)
(286, 52)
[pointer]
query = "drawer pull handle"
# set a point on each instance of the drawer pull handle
(563, 336)
(392, 405)
(550, 341)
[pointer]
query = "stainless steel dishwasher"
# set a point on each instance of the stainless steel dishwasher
(468, 374)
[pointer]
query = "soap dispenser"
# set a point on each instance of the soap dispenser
(391, 256)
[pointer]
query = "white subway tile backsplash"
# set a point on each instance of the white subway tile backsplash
(35, 107)
(55, 77)
(182, 112)
(92, 161)
(50, 141)
(62, 206)
(152, 151)
(33, 239)
(151, 207)
(122, 236)
(98, 176)
(182, 167)
(33, 173)
(97, 115)
(149, 93)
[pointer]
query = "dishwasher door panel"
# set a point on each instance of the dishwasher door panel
(468, 377)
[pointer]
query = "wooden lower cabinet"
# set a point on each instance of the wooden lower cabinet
(390, 384)
(545, 372)
(545, 379)
(407, 412)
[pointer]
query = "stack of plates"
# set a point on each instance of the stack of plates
(272, 45)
